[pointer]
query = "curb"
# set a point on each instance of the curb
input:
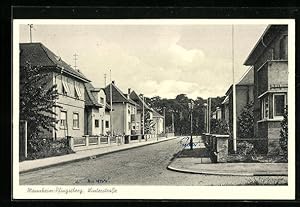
(223, 173)
(94, 156)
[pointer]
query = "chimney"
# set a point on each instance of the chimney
(129, 90)
(113, 82)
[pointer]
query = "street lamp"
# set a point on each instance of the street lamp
(191, 106)
(205, 116)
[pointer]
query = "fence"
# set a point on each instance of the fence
(265, 145)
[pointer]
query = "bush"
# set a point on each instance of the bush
(283, 141)
(219, 126)
(42, 148)
(245, 148)
(246, 122)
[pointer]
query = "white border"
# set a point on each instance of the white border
(162, 192)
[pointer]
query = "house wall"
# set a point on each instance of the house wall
(118, 118)
(158, 127)
(71, 105)
(106, 118)
(263, 78)
(244, 95)
(270, 131)
(130, 110)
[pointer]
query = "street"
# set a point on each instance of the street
(145, 165)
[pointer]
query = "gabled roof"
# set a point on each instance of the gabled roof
(39, 55)
(156, 114)
(226, 100)
(269, 34)
(90, 99)
(247, 78)
(117, 95)
(133, 95)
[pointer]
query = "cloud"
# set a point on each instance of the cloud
(154, 60)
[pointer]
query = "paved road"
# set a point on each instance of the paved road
(140, 166)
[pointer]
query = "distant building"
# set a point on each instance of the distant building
(140, 103)
(124, 110)
(158, 122)
(70, 86)
(269, 58)
(97, 115)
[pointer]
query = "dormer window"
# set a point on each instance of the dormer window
(65, 87)
(101, 100)
(77, 90)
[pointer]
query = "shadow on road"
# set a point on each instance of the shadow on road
(198, 152)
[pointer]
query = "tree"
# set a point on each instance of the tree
(246, 122)
(149, 124)
(37, 100)
(284, 133)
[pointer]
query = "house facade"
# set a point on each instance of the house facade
(148, 117)
(70, 86)
(158, 123)
(269, 59)
(124, 110)
(97, 113)
(244, 95)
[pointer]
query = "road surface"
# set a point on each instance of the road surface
(145, 165)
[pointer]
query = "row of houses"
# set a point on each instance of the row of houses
(265, 83)
(86, 110)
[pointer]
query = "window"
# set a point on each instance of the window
(97, 123)
(77, 90)
(129, 125)
(279, 105)
(265, 108)
(63, 119)
(75, 120)
(102, 100)
(128, 109)
(107, 124)
(65, 87)
(284, 48)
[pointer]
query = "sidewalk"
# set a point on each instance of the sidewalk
(197, 161)
(31, 165)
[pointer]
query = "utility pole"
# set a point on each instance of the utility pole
(75, 60)
(143, 118)
(173, 128)
(165, 121)
(233, 94)
(208, 114)
(111, 109)
(30, 32)
(191, 106)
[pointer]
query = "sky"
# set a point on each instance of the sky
(156, 60)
